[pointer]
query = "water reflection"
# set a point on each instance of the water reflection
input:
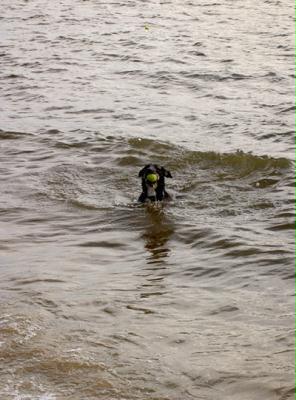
(156, 235)
(158, 231)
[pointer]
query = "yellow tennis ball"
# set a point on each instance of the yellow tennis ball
(152, 178)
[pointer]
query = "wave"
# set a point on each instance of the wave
(178, 157)
(134, 152)
(10, 135)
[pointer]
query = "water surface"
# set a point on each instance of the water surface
(102, 298)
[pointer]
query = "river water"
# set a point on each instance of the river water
(102, 298)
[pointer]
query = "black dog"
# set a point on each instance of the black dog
(153, 183)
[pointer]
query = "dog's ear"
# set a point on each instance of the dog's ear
(141, 173)
(166, 173)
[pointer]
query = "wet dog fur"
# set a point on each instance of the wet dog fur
(155, 192)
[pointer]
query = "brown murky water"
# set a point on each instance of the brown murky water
(102, 298)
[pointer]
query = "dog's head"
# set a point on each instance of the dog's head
(153, 181)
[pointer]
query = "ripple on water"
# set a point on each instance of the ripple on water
(103, 298)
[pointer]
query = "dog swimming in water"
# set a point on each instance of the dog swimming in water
(153, 183)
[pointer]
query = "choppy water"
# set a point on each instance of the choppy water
(102, 298)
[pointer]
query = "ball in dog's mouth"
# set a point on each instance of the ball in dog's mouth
(152, 179)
